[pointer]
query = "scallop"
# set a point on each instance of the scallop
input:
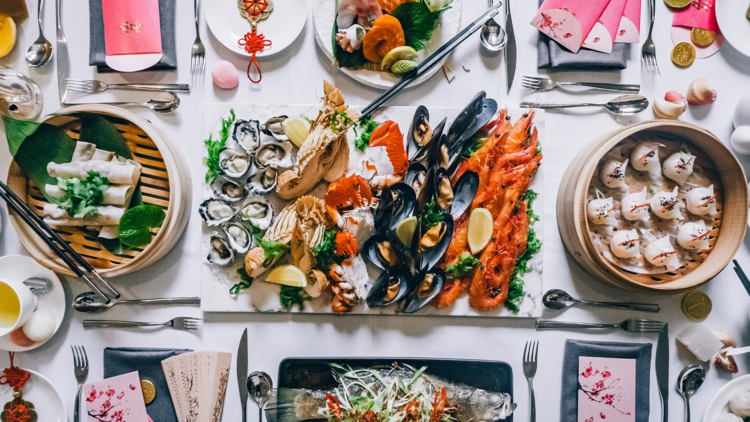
(693, 236)
(220, 253)
(247, 134)
(228, 190)
(634, 206)
(263, 181)
(666, 205)
(679, 166)
(626, 244)
(215, 211)
(645, 157)
(240, 238)
(257, 211)
(274, 127)
(613, 174)
(661, 254)
(601, 211)
(234, 163)
(702, 201)
(274, 154)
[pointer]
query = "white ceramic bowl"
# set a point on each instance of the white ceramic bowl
(719, 404)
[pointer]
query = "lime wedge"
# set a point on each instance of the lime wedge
(398, 53)
(288, 275)
(480, 229)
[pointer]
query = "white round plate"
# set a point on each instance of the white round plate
(19, 268)
(282, 26)
(719, 403)
(730, 14)
(48, 402)
(324, 13)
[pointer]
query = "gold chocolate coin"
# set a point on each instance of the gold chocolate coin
(149, 391)
(702, 37)
(677, 4)
(696, 305)
(683, 54)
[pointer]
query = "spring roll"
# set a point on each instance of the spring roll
(114, 195)
(86, 151)
(116, 172)
(106, 215)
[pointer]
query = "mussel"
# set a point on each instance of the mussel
(382, 252)
(228, 189)
(234, 163)
(257, 211)
(219, 253)
(247, 135)
(384, 211)
(489, 108)
(215, 211)
(415, 177)
(274, 154)
(433, 241)
(404, 203)
(463, 193)
(389, 288)
(420, 132)
(240, 238)
(263, 181)
(466, 118)
(423, 288)
(274, 127)
(426, 153)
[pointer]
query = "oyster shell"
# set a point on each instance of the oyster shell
(234, 163)
(215, 211)
(240, 238)
(274, 154)
(263, 181)
(257, 211)
(228, 190)
(247, 134)
(274, 127)
(220, 253)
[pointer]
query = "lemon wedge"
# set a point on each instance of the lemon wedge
(288, 275)
(405, 230)
(297, 129)
(480, 229)
(399, 53)
(7, 34)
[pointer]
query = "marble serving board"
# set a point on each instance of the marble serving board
(264, 297)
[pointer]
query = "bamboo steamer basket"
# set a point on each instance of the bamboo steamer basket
(165, 182)
(730, 222)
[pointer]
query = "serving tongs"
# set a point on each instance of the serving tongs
(72, 259)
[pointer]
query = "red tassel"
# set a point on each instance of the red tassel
(253, 44)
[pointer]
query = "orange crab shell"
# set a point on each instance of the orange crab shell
(346, 245)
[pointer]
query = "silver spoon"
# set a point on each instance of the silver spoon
(163, 103)
(559, 299)
(492, 35)
(38, 285)
(625, 105)
(259, 386)
(690, 380)
(40, 52)
(91, 302)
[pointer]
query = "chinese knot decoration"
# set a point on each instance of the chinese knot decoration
(16, 410)
(253, 42)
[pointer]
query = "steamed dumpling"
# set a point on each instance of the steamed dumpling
(613, 174)
(626, 244)
(739, 403)
(634, 206)
(666, 205)
(679, 166)
(701, 201)
(693, 236)
(728, 417)
(661, 254)
(645, 157)
(601, 211)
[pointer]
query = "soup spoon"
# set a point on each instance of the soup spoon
(492, 35)
(559, 299)
(259, 386)
(40, 52)
(91, 302)
(160, 104)
(626, 105)
(690, 380)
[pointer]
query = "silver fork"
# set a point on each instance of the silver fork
(546, 84)
(198, 55)
(529, 369)
(93, 86)
(633, 325)
(81, 370)
(648, 52)
(179, 323)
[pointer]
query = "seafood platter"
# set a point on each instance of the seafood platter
(409, 211)
(654, 210)
(377, 41)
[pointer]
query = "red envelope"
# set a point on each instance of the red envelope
(131, 27)
(568, 22)
(630, 24)
(700, 14)
(603, 34)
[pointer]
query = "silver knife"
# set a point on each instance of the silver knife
(662, 370)
(61, 56)
(510, 49)
(242, 373)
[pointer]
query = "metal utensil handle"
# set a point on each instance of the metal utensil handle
(532, 399)
(151, 87)
(39, 16)
(606, 87)
(103, 323)
(197, 32)
(647, 307)
(553, 105)
(687, 408)
(76, 415)
(163, 301)
(551, 325)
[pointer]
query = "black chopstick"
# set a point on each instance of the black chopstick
(434, 58)
(741, 274)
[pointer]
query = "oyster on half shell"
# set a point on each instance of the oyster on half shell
(240, 238)
(257, 211)
(234, 163)
(274, 154)
(228, 189)
(220, 253)
(274, 127)
(215, 211)
(247, 135)
(263, 181)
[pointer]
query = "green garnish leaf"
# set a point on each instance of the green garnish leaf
(340, 121)
(136, 224)
(474, 146)
(291, 296)
(515, 286)
(343, 58)
(538, 149)
(82, 196)
(529, 197)
(417, 22)
(272, 250)
(367, 125)
(463, 267)
(431, 216)
(245, 282)
(325, 252)
(214, 146)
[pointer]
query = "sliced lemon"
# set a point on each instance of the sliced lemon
(288, 275)
(480, 229)
(297, 129)
(7, 34)
(399, 53)
(405, 230)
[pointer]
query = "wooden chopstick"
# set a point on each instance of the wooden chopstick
(741, 274)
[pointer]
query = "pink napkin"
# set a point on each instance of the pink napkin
(700, 14)
(116, 399)
(568, 22)
(603, 34)
(606, 389)
(630, 24)
(131, 27)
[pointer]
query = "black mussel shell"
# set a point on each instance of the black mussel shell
(428, 258)
(412, 175)
(446, 155)
(404, 203)
(466, 118)
(426, 153)
(489, 108)
(421, 118)
(371, 251)
(384, 211)
(463, 193)
(440, 175)
(417, 297)
(427, 193)
(376, 298)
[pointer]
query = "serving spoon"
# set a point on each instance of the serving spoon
(626, 105)
(690, 380)
(40, 52)
(559, 299)
(259, 386)
(159, 104)
(91, 302)
(492, 35)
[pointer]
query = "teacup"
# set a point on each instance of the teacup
(17, 303)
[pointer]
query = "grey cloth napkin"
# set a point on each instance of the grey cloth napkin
(147, 362)
(98, 51)
(641, 352)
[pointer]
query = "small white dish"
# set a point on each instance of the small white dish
(48, 402)
(681, 34)
(132, 62)
(19, 268)
(732, 20)
(282, 27)
(719, 404)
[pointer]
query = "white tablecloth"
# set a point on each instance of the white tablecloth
(295, 77)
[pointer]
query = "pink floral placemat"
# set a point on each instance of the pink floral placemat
(606, 389)
(116, 399)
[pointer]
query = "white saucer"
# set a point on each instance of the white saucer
(48, 402)
(19, 268)
(730, 15)
(282, 26)
(132, 62)
(719, 403)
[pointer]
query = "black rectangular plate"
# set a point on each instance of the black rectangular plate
(315, 374)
